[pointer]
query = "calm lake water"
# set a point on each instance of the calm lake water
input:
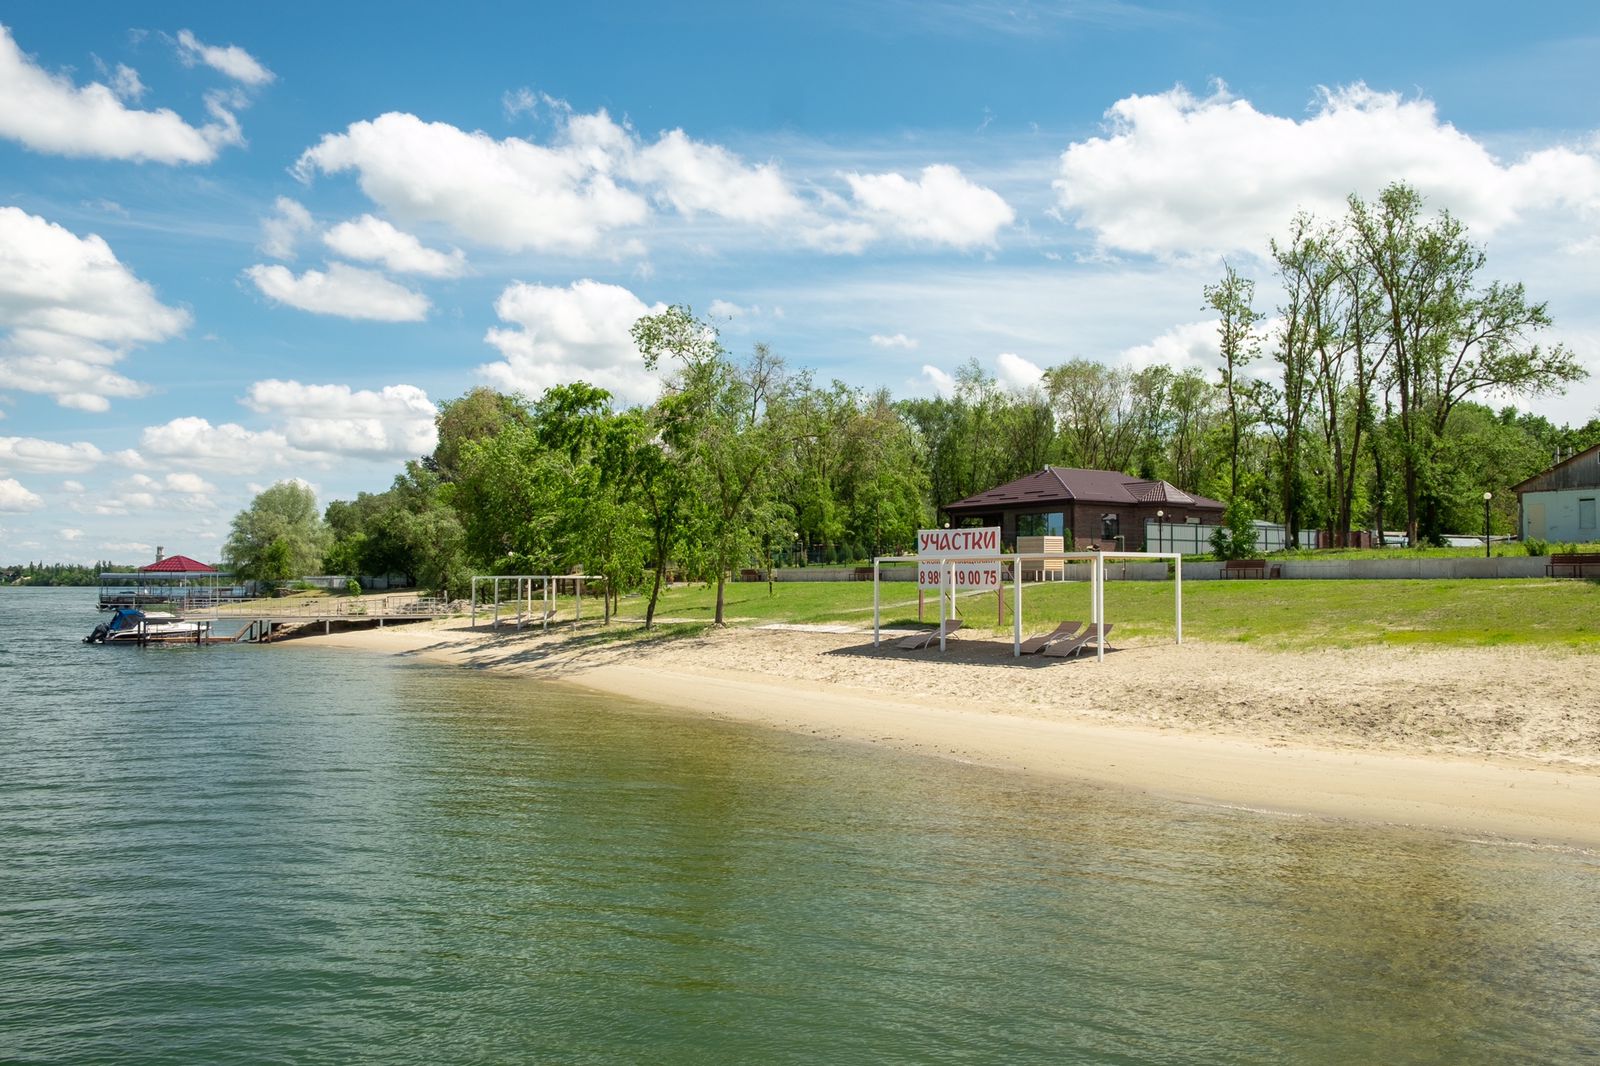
(285, 854)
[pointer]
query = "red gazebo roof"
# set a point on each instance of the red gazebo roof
(178, 564)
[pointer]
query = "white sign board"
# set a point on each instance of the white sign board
(933, 544)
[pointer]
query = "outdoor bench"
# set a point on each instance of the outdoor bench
(1578, 564)
(1249, 568)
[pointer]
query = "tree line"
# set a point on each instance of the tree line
(1357, 403)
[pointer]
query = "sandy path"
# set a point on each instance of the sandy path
(1495, 741)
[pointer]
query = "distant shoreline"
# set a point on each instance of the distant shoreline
(1414, 737)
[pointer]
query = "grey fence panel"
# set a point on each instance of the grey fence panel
(1194, 538)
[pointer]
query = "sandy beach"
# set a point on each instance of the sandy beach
(1499, 742)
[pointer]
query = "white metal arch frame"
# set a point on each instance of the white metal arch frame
(1097, 589)
(523, 585)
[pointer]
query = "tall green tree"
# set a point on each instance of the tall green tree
(476, 415)
(663, 453)
(279, 536)
(1096, 419)
(1450, 335)
(1232, 299)
(1304, 332)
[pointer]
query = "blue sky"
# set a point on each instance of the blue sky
(243, 244)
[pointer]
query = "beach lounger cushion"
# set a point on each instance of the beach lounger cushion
(1074, 645)
(922, 640)
(1060, 632)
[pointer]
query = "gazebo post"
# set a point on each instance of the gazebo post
(1177, 593)
(1016, 608)
(1099, 593)
(875, 601)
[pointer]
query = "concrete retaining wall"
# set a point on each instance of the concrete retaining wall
(1382, 569)
(1299, 570)
(1115, 571)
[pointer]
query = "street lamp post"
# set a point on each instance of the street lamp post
(1160, 534)
(1486, 498)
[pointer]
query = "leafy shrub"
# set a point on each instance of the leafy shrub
(1536, 546)
(1236, 537)
(353, 587)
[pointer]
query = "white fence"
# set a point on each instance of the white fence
(1194, 538)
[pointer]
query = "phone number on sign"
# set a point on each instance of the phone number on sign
(981, 576)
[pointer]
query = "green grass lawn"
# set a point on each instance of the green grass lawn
(1275, 614)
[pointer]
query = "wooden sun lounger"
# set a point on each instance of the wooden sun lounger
(922, 640)
(1073, 646)
(1061, 632)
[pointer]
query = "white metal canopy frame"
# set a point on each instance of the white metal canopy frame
(522, 591)
(1097, 586)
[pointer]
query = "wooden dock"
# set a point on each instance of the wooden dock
(264, 621)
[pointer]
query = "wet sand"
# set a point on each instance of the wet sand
(1482, 741)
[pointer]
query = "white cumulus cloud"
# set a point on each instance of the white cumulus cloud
(699, 178)
(73, 311)
(893, 340)
(342, 290)
(35, 456)
(395, 422)
(230, 59)
(1178, 174)
(373, 240)
(281, 231)
(1015, 372)
(126, 84)
(48, 113)
(594, 176)
(560, 335)
(512, 194)
(1191, 345)
(942, 382)
(228, 448)
(941, 207)
(14, 499)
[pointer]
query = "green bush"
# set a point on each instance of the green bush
(1236, 537)
(353, 587)
(1536, 546)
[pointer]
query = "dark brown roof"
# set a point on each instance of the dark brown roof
(1058, 484)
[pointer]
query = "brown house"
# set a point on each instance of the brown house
(1094, 506)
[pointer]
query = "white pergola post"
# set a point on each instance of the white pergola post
(1016, 608)
(1098, 593)
(497, 603)
(1177, 593)
(874, 602)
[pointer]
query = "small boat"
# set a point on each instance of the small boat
(131, 625)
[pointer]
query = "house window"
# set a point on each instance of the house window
(1586, 514)
(1110, 526)
(1047, 524)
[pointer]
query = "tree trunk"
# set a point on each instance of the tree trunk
(655, 591)
(718, 622)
